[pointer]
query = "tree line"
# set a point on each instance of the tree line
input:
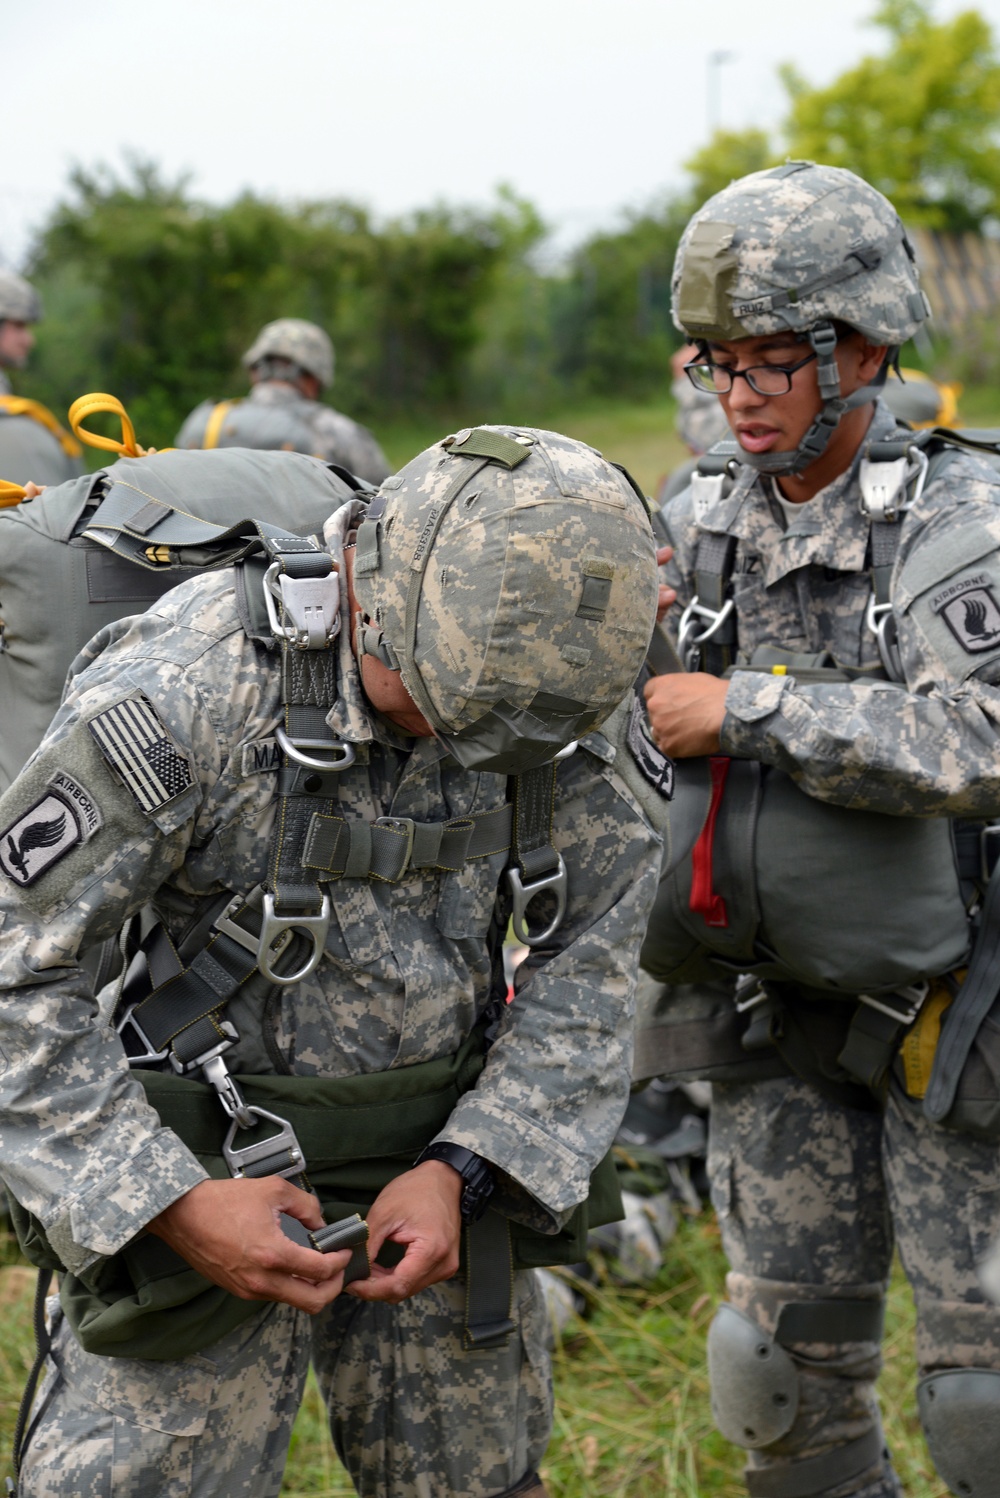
(153, 294)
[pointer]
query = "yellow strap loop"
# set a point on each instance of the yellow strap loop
(10, 494)
(19, 405)
(91, 405)
(216, 417)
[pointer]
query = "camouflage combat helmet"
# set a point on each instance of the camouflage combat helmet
(302, 342)
(19, 301)
(799, 247)
(510, 576)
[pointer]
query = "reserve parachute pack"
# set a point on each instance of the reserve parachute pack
(59, 587)
(790, 895)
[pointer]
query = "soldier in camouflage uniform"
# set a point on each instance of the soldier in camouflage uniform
(538, 598)
(33, 445)
(798, 285)
(290, 363)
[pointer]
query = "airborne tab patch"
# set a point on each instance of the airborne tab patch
(39, 838)
(656, 766)
(141, 753)
(971, 612)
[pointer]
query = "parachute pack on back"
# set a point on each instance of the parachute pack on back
(58, 588)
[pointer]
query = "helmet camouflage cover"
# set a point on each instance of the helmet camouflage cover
(293, 338)
(510, 575)
(19, 301)
(798, 245)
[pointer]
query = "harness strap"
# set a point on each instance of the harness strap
(969, 1009)
(213, 428)
(489, 1281)
(390, 846)
(19, 405)
(817, 1474)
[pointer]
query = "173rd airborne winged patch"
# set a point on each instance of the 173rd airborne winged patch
(65, 817)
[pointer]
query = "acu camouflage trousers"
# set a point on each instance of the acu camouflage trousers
(412, 1413)
(810, 1196)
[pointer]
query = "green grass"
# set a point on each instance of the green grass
(632, 1408)
(640, 436)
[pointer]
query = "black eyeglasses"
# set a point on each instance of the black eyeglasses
(765, 379)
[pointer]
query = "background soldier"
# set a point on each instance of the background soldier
(33, 445)
(798, 285)
(512, 577)
(290, 364)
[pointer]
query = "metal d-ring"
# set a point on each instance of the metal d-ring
(292, 748)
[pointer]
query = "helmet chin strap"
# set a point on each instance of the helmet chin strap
(823, 339)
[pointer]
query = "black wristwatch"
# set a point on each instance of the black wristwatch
(476, 1173)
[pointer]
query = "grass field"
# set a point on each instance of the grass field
(632, 1409)
(632, 1417)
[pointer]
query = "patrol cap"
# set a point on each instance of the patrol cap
(292, 338)
(19, 301)
(509, 574)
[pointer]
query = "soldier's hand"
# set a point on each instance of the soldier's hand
(686, 713)
(32, 491)
(667, 594)
(229, 1232)
(420, 1210)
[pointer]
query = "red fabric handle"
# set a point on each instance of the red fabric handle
(704, 901)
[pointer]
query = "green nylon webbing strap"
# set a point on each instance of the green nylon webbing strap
(489, 1281)
(830, 1320)
(817, 1474)
(387, 849)
(482, 443)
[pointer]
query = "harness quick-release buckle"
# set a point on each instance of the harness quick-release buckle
(311, 606)
(884, 485)
(523, 894)
(689, 642)
(282, 1149)
(274, 926)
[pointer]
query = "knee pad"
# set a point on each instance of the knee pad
(754, 1382)
(960, 1414)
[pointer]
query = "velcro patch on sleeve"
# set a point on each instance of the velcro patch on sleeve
(141, 753)
(657, 767)
(40, 837)
(971, 612)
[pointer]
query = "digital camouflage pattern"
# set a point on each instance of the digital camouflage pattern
(809, 1192)
(293, 338)
(19, 300)
(537, 577)
(276, 415)
(809, 1195)
(217, 1424)
(794, 246)
(928, 749)
(404, 978)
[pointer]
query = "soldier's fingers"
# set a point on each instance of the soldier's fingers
(663, 554)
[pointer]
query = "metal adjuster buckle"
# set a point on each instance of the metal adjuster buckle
(689, 642)
(230, 1036)
(283, 1142)
(148, 1055)
(911, 998)
(248, 940)
(523, 894)
(405, 826)
(311, 606)
(294, 747)
(273, 926)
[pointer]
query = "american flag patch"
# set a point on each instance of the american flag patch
(141, 753)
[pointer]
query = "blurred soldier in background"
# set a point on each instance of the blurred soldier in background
(290, 364)
(33, 446)
(836, 610)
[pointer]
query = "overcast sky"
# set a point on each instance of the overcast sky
(584, 106)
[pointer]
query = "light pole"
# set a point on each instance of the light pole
(713, 97)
